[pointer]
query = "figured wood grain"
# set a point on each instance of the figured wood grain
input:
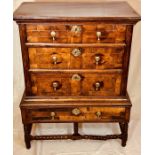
(22, 31)
(42, 57)
(42, 84)
(86, 114)
(67, 100)
(75, 77)
(127, 58)
(75, 70)
(110, 33)
(107, 11)
(44, 45)
(73, 101)
(111, 57)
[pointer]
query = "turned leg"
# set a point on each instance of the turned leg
(27, 132)
(121, 127)
(76, 129)
(124, 131)
(29, 128)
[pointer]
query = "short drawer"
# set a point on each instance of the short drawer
(76, 58)
(86, 83)
(78, 114)
(76, 33)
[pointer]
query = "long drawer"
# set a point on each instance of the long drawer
(76, 58)
(76, 114)
(76, 33)
(76, 83)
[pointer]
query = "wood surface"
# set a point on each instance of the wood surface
(107, 11)
(57, 82)
(87, 114)
(42, 84)
(25, 58)
(111, 57)
(127, 58)
(110, 33)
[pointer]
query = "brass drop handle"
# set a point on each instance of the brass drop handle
(76, 111)
(54, 59)
(76, 52)
(76, 29)
(52, 115)
(97, 59)
(98, 114)
(56, 85)
(53, 34)
(98, 34)
(97, 85)
(76, 77)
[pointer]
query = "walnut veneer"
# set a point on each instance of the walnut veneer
(76, 60)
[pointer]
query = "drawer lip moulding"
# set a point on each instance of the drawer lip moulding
(75, 64)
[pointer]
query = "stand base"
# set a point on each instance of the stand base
(76, 136)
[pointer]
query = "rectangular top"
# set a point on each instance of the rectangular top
(75, 11)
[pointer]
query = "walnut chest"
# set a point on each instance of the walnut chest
(76, 61)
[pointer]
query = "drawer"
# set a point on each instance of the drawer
(76, 58)
(64, 83)
(76, 33)
(77, 114)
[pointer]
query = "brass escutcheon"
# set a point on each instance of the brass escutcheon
(98, 114)
(76, 111)
(76, 52)
(76, 29)
(76, 77)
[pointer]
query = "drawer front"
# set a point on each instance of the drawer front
(83, 114)
(76, 83)
(80, 33)
(76, 58)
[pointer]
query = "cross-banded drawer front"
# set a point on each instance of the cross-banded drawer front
(76, 58)
(86, 114)
(76, 33)
(75, 61)
(76, 83)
